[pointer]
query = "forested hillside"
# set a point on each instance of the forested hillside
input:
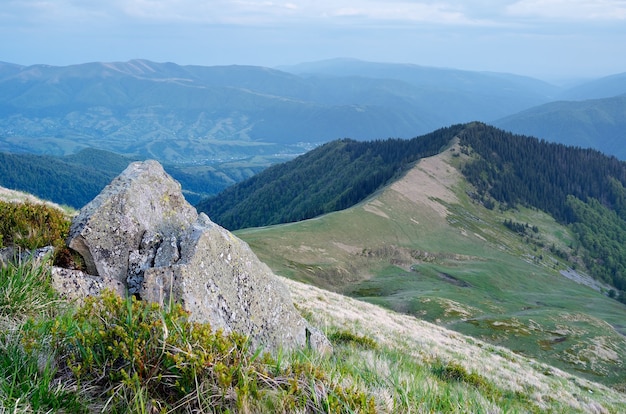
(580, 187)
(332, 177)
(53, 178)
(76, 179)
(593, 123)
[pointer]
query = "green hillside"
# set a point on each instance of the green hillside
(329, 178)
(75, 179)
(426, 245)
(593, 123)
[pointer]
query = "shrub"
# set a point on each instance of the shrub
(347, 337)
(143, 357)
(31, 226)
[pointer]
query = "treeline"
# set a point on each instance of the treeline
(332, 177)
(53, 178)
(580, 187)
(74, 180)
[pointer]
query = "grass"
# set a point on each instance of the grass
(454, 263)
(123, 355)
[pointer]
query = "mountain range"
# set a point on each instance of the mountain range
(513, 240)
(208, 115)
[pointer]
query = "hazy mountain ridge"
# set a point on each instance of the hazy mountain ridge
(202, 114)
(592, 123)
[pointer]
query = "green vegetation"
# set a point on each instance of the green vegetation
(123, 355)
(111, 354)
(581, 122)
(580, 187)
(53, 179)
(31, 226)
(332, 177)
(76, 179)
(451, 261)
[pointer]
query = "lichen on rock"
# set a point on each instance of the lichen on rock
(140, 232)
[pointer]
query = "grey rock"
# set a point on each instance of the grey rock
(113, 224)
(75, 285)
(140, 234)
(141, 259)
(219, 280)
(15, 255)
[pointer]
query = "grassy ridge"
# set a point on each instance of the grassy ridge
(423, 246)
(329, 178)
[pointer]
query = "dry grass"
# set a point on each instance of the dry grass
(426, 342)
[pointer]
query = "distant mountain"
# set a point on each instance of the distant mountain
(458, 95)
(594, 123)
(605, 87)
(200, 115)
(496, 84)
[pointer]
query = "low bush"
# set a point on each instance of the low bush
(138, 357)
(31, 226)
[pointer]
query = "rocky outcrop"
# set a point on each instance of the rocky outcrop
(141, 202)
(141, 234)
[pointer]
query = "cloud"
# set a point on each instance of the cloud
(265, 12)
(569, 10)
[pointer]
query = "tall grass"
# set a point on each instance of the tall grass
(123, 355)
(25, 290)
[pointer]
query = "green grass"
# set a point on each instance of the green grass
(464, 270)
(25, 290)
(123, 355)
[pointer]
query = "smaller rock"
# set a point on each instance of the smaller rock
(75, 285)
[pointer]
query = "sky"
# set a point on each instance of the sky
(548, 39)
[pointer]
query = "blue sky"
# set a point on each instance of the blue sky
(549, 39)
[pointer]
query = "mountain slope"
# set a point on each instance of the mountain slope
(424, 245)
(76, 179)
(331, 177)
(596, 123)
(414, 341)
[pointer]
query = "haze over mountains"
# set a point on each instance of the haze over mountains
(200, 115)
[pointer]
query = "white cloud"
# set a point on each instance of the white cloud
(245, 12)
(569, 10)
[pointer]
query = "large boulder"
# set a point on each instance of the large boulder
(219, 279)
(142, 233)
(136, 209)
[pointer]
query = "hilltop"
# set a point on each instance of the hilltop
(433, 245)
